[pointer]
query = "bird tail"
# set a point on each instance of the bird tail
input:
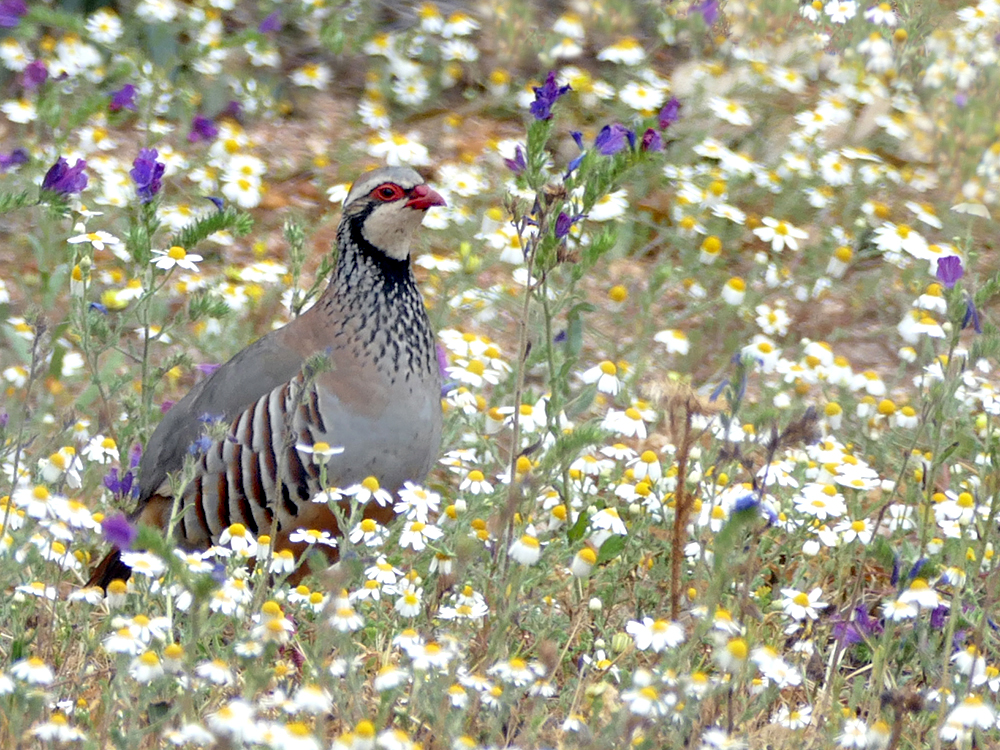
(111, 568)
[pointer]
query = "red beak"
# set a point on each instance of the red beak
(423, 197)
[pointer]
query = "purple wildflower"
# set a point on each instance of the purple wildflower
(34, 75)
(518, 164)
(971, 315)
(565, 222)
(651, 141)
(201, 445)
(207, 368)
(11, 12)
(545, 96)
(575, 162)
(123, 98)
(202, 129)
(271, 23)
(119, 486)
(574, 165)
(949, 270)
(442, 360)
(749, 501)
(707, 9)
(846, 632)
(234, 109)
(850, 632)
(613, 138)
(865, 623)
(670, 113)
(15, 158)
(146, 173)
(939, 616)
(218, 573)
(64, 179)
(119, 531)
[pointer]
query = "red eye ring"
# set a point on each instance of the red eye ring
(388, 191)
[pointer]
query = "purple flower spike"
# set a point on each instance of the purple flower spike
(34, 75)
(707, 9)
(545, 96)
(135, 455)
(971, 315)
(574, 165)
(202, 129)
(565, 222)
(11, 12)
(670, 113)
(613, 138)
(234, 109)
(146, 173)
(15, 158)
(120, 487)
(651, 141)
(949, 270)
(939, 616)
(64, 179)
(123, 98)
(271, 23)
(518, 164)
(119, 531)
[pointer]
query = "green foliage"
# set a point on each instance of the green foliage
(228, 219)
(703, 403)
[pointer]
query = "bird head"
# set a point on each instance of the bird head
(385, 207)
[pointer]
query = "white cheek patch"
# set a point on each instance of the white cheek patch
(390, 228)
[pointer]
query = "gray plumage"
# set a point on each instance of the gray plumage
(378, 396)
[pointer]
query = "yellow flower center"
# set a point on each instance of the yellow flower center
(618, 293)
(737, 648)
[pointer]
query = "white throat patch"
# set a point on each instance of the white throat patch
(390, 228)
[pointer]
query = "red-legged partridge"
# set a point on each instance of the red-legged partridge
(379, 398)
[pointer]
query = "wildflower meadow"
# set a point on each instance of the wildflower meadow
(714, 293)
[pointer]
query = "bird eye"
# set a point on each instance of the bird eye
(388, 192)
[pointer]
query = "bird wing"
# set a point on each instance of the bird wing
(256, 370)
